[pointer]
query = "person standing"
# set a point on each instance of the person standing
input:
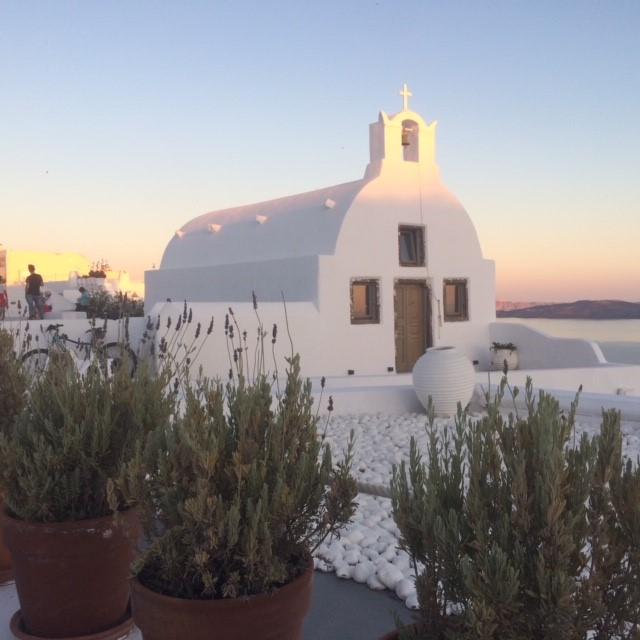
(32, 293)
(83, 301)
(4, 299)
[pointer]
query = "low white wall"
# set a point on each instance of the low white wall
(607, 379)
(539, 350)
(31, 334)
(604, 385)
(590, 405)
(396, 395)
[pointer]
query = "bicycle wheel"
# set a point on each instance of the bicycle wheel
(118, 354)
(35, 361)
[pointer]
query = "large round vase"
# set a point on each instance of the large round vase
(276, 616)
(446, 376)
(72, 578)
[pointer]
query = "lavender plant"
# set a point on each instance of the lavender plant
(237, 488)
(74, 433)
(519, 531)
(13, 383)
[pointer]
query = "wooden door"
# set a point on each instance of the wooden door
(412, 323)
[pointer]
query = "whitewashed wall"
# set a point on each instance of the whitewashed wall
(308, 248)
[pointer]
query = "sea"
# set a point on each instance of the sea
(618, 339)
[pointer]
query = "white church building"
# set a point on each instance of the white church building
(372, 272)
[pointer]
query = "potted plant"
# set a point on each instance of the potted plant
(518, 529)
(13, 388)
(504, 356)
(70, 556)
(234, 494)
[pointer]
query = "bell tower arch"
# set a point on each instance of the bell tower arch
(403, 137)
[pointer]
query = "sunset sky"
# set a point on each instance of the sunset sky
(120, 121)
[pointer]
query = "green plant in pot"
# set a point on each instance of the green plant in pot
(13, 383)
(236, 492)
(13, 390)
(504, 356)
(521, 529)
(71, 558)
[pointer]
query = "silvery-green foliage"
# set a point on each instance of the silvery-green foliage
(236, 489)
(13, 383)
(522, 531)
(75, 432)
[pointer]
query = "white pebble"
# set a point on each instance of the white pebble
(389, 575)
(334, 553)
(412, 602)
(372, 554)
(352, 556)
(369, 541)
(404, 588)
(355, 536)
(374, 583)
(344, 570)
(381, 547)
(390, 554)
(402, 561)
(323, 566)
(362, 571)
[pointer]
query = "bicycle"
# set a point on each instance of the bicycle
(111, 354)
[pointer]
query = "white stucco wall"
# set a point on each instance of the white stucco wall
(308, 248)
(539, 350)
(33, 332)
(295, 278)
(403, 195)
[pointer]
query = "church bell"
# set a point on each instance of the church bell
(405, 138)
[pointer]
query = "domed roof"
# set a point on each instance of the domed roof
(300, 225)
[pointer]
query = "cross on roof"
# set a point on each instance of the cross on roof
(405, 93)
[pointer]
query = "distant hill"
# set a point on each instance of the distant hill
(580, 310)
(508, 305)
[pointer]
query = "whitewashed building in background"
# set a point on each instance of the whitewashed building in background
(373, 271)
(63, 275)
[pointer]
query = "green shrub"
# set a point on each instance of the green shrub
(237, 488)
(107, 306)
(235, 492)
(13, 383)
(519, 530)
(506, 346)
(74, 433)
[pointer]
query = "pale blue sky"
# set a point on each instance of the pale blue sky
(121, 121)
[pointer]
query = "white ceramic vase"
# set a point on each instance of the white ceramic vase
(498, 356)
(447, 376)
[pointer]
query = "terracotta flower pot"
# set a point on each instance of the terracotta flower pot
(276, 616)
(6, 568)
(72, 577)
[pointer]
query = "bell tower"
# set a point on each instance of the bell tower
(403, 137)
